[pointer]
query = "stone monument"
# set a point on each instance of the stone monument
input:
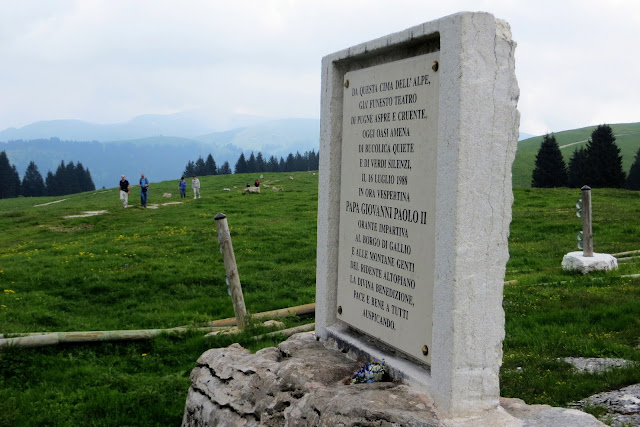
(418, 134)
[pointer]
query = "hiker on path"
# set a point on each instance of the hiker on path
(195, 184)
(183, 188)
(124, 192)
(144, 190)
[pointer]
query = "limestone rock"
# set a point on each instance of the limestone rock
(274, 324)
(302, 383)
(547, 416)
(299, 383)
(596, 364)
(623, 406)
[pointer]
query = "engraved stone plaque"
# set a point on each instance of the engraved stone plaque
(387, 202)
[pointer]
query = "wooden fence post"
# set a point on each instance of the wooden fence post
(587, 234)
(231, 269)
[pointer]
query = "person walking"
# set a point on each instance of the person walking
(195, 185)
(124, 191)
(144, 190)
(183, 188)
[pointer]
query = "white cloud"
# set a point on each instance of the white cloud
(110, 60)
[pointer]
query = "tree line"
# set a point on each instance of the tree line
(69, 178)
(255, 163)
(598, 165)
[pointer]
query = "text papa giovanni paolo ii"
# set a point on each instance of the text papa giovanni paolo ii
(381, 266)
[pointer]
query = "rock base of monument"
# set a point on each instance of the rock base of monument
(303, 383)
(575, 261)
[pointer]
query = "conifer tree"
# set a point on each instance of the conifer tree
(633, 180)
(577, 175)
(604, 162)
(252, 164)
(210, 166)
(299, 163)
(190, 169)
(550, 170)
(290, 163)
(201, 168)
(260, 163)
(241, 164)
(225, 169)
(273, 165)
(32, 182)
(86, 182)
(9, 178)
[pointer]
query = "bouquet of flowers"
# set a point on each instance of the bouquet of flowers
(371, 372)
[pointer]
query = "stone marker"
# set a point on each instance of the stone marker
(587, 260)
(418, 134)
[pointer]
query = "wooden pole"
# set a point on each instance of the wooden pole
(53, 338)
(587, 234)
(233, 279)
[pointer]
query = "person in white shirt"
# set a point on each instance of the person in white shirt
(195, 185)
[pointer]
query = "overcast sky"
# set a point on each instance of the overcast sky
(107, 61)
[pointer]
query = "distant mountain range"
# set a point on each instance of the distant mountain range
(158, 145)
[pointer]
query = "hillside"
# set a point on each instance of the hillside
(627, 137)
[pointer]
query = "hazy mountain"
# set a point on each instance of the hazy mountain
(159, 157)
(185, 124)
(278, 137)
(524, 136)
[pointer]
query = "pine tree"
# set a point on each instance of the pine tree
(272, 165)
(604, 162)
(16, 181)
(299, 163)
(210, 166)
(261, 166)
(313, 161)
(50, 184)
(252, 164)
(71, 179)
(32, 182)
(550, 170)
(201, 168)
(577, 175)
(86, 182)
(633, 180)
(290, 163)
(8, 175)
(241, 164)
(190, 169)
(225, 169)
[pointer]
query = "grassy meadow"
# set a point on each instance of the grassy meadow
(159, 268)
(627, 138)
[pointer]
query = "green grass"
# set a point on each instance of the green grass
(136, 268)
(627, 139)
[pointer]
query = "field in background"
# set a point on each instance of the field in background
(160, 268)
(627, 139)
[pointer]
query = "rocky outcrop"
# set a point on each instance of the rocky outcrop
(302, 383)
(299, 383)
(622, 406)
